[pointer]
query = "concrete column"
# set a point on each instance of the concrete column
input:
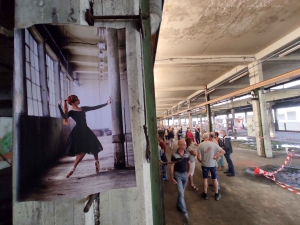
(263, 141)
(200, 117)
(19, 106)
(179, 120)
(190, 120)
(213, 121)
(233, 117)
(271, 119)
(276, 119)
(115, 94)
(172, 120)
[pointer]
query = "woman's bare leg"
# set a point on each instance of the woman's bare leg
(97, 163)
(79, 157)
(96, 156)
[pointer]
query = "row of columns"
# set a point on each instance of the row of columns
(262, 114)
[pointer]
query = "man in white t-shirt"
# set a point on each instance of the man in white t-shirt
(208, 153)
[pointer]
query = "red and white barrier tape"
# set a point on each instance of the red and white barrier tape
(271, 175)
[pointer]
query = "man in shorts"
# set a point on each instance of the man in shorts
(208, 153)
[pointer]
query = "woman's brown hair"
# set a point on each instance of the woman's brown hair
(70, 100)
(188, 142)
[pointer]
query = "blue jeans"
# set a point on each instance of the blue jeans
(164, 167)
(229, 162)
(182, 180)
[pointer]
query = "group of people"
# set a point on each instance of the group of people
(209, 153)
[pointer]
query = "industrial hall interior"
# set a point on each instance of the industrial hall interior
(149, 112)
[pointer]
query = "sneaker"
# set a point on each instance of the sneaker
(226, 172)
(186, 216)
(217, 196)
(230, 175)
(204, 196)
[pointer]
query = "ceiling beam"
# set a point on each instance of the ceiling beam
(292, 57)
(85, 69)
(231, 86)
(182, 88)
(84, 59)
(247, 89)
(273, 48)
(167, 99)
(80, 46)
(227, 75)
(205, 59)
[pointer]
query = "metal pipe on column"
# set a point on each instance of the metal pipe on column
(118, 137)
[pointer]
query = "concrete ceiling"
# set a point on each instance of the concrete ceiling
(200, 41)
(81, 44)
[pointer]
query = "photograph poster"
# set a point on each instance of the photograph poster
(75, 137)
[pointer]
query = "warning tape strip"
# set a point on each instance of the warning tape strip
(271, 175)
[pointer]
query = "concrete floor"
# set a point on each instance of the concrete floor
(246, 199)
(84, 181)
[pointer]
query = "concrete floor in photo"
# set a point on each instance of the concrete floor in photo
(246, 199)
(54, 185)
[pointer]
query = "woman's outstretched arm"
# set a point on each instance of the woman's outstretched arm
(63, 115)
(90, 108)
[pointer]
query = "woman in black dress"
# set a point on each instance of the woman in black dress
(82, 140)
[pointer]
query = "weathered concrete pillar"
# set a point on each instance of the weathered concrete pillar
(115, 94)
(19, 103)
(263, 141)
(271, 119)
(190, 120)
(276, 119)
(233, 117)
(213, 121)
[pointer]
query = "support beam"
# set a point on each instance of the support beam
(273, 80)
(182, 88)
(205, 59)
(285, 41)
(118, 137)
(86, 60)
(271, 119)
(263, 141)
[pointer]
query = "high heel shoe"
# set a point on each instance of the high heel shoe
(97, 164)
(71, 171)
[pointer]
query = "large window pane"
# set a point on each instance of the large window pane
(34, 103)
(29, 92)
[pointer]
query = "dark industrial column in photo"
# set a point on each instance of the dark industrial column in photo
(115, 94)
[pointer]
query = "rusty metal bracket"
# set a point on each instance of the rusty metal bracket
(91, 19)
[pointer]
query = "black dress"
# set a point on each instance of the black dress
(81, 138)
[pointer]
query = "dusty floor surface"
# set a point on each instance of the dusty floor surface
(84, 181)
(246, 199)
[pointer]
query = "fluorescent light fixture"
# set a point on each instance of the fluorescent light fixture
(238, 77)
(289, 51)
(210, 91)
